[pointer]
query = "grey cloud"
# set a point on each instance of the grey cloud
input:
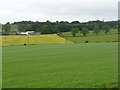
(12, 10)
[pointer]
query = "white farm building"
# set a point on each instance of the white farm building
(29, 33)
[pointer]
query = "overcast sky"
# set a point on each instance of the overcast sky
(53, 10)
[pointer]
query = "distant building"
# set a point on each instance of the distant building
(36, 33)
(24, 33)
(29, 33)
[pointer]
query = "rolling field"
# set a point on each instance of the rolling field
(92, 38)
(32, 39)
(61, 66)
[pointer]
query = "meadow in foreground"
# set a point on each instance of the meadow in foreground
(61, 66)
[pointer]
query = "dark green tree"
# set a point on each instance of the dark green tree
(84, 31)
(22, 27)
(119, 26)
(56, 29)
(45, 29)
(29, 27)
(96, 29)
(7, 28)
(74, 31)
(63, 26)
(106, 29)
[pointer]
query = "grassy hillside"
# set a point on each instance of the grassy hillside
(55, 39)
(33, 39)
(60, 66)
(92, 38)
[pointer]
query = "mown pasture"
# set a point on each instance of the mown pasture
(112, 36)
(61, 66)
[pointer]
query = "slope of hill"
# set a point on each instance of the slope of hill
(33, 40)
(92, 38)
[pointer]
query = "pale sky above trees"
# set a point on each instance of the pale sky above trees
(53, 10)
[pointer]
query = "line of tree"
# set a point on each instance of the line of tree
(60, 27)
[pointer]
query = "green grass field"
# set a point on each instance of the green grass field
(61, 66)
(92, 38)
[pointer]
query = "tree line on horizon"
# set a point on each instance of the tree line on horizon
(60, 27)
